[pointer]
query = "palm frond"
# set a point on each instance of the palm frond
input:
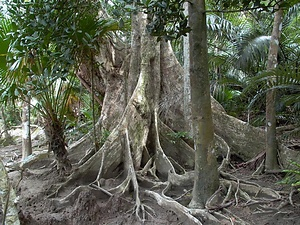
(252, 49)
(220, 27)
(5, 28)
(291, 15)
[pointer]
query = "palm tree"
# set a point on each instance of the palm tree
(45, 54)
(238, 49)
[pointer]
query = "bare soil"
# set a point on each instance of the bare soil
(93, 207)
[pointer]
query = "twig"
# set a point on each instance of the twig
(184, 194)
(293, 191)
(236, 192)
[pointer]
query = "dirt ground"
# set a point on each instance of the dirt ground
(93, 207)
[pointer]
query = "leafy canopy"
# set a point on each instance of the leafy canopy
(48, 41)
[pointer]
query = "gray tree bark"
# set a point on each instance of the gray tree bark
(206, 173)
(135, 54)
(26, 137)
(271, 142)
(186, 77)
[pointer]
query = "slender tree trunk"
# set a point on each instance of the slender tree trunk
(186, 77)
(26, 138)
(8, 139)
(6, 134)
(206, 175)
(271, 142)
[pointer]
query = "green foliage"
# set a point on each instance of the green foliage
(286, 80)
(238, 50)
(12, 115)
(57, 33)
(265, 5)
(48, 41)
(292, 176)
(175, 136)
(121, 11)
(5, 28)
(104, 135)
(167, 19)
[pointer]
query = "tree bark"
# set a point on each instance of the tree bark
(271, 142)
(135, 54)
(186, 77)
(8, 139)
(26, 137)
(54, 131)
(139, 149)
(206, 173)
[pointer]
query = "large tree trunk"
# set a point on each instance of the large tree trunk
(206, 170)
(271, 141)
(139, 149)
(244, 140)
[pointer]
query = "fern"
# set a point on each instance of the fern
(292, 176)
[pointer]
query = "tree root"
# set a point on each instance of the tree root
(140, 209)
(71, 198)
(292, 192)
(33, 158)
(254, 162)
(221, 143)
(234, 219)
(194, 216)
(235, 188)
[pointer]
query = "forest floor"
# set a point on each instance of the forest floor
(92, 207)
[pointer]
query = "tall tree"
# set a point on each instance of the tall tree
(271, 143)
(26, 137)
(51, 41)
(186, 76)
(206, 174)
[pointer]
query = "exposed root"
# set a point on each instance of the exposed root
(163, 164)
(194, 216)
(250, 193)
(260, 168)
(33, 158)
(139, 209)
(178, 180)
(150, 183)
(221, 143)
(179, 151)
(71, 198)
(148, 169)
(186, 192)
(234, 219)
(293, 191)
(228, 195)
(254, 162)
(54, 190)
